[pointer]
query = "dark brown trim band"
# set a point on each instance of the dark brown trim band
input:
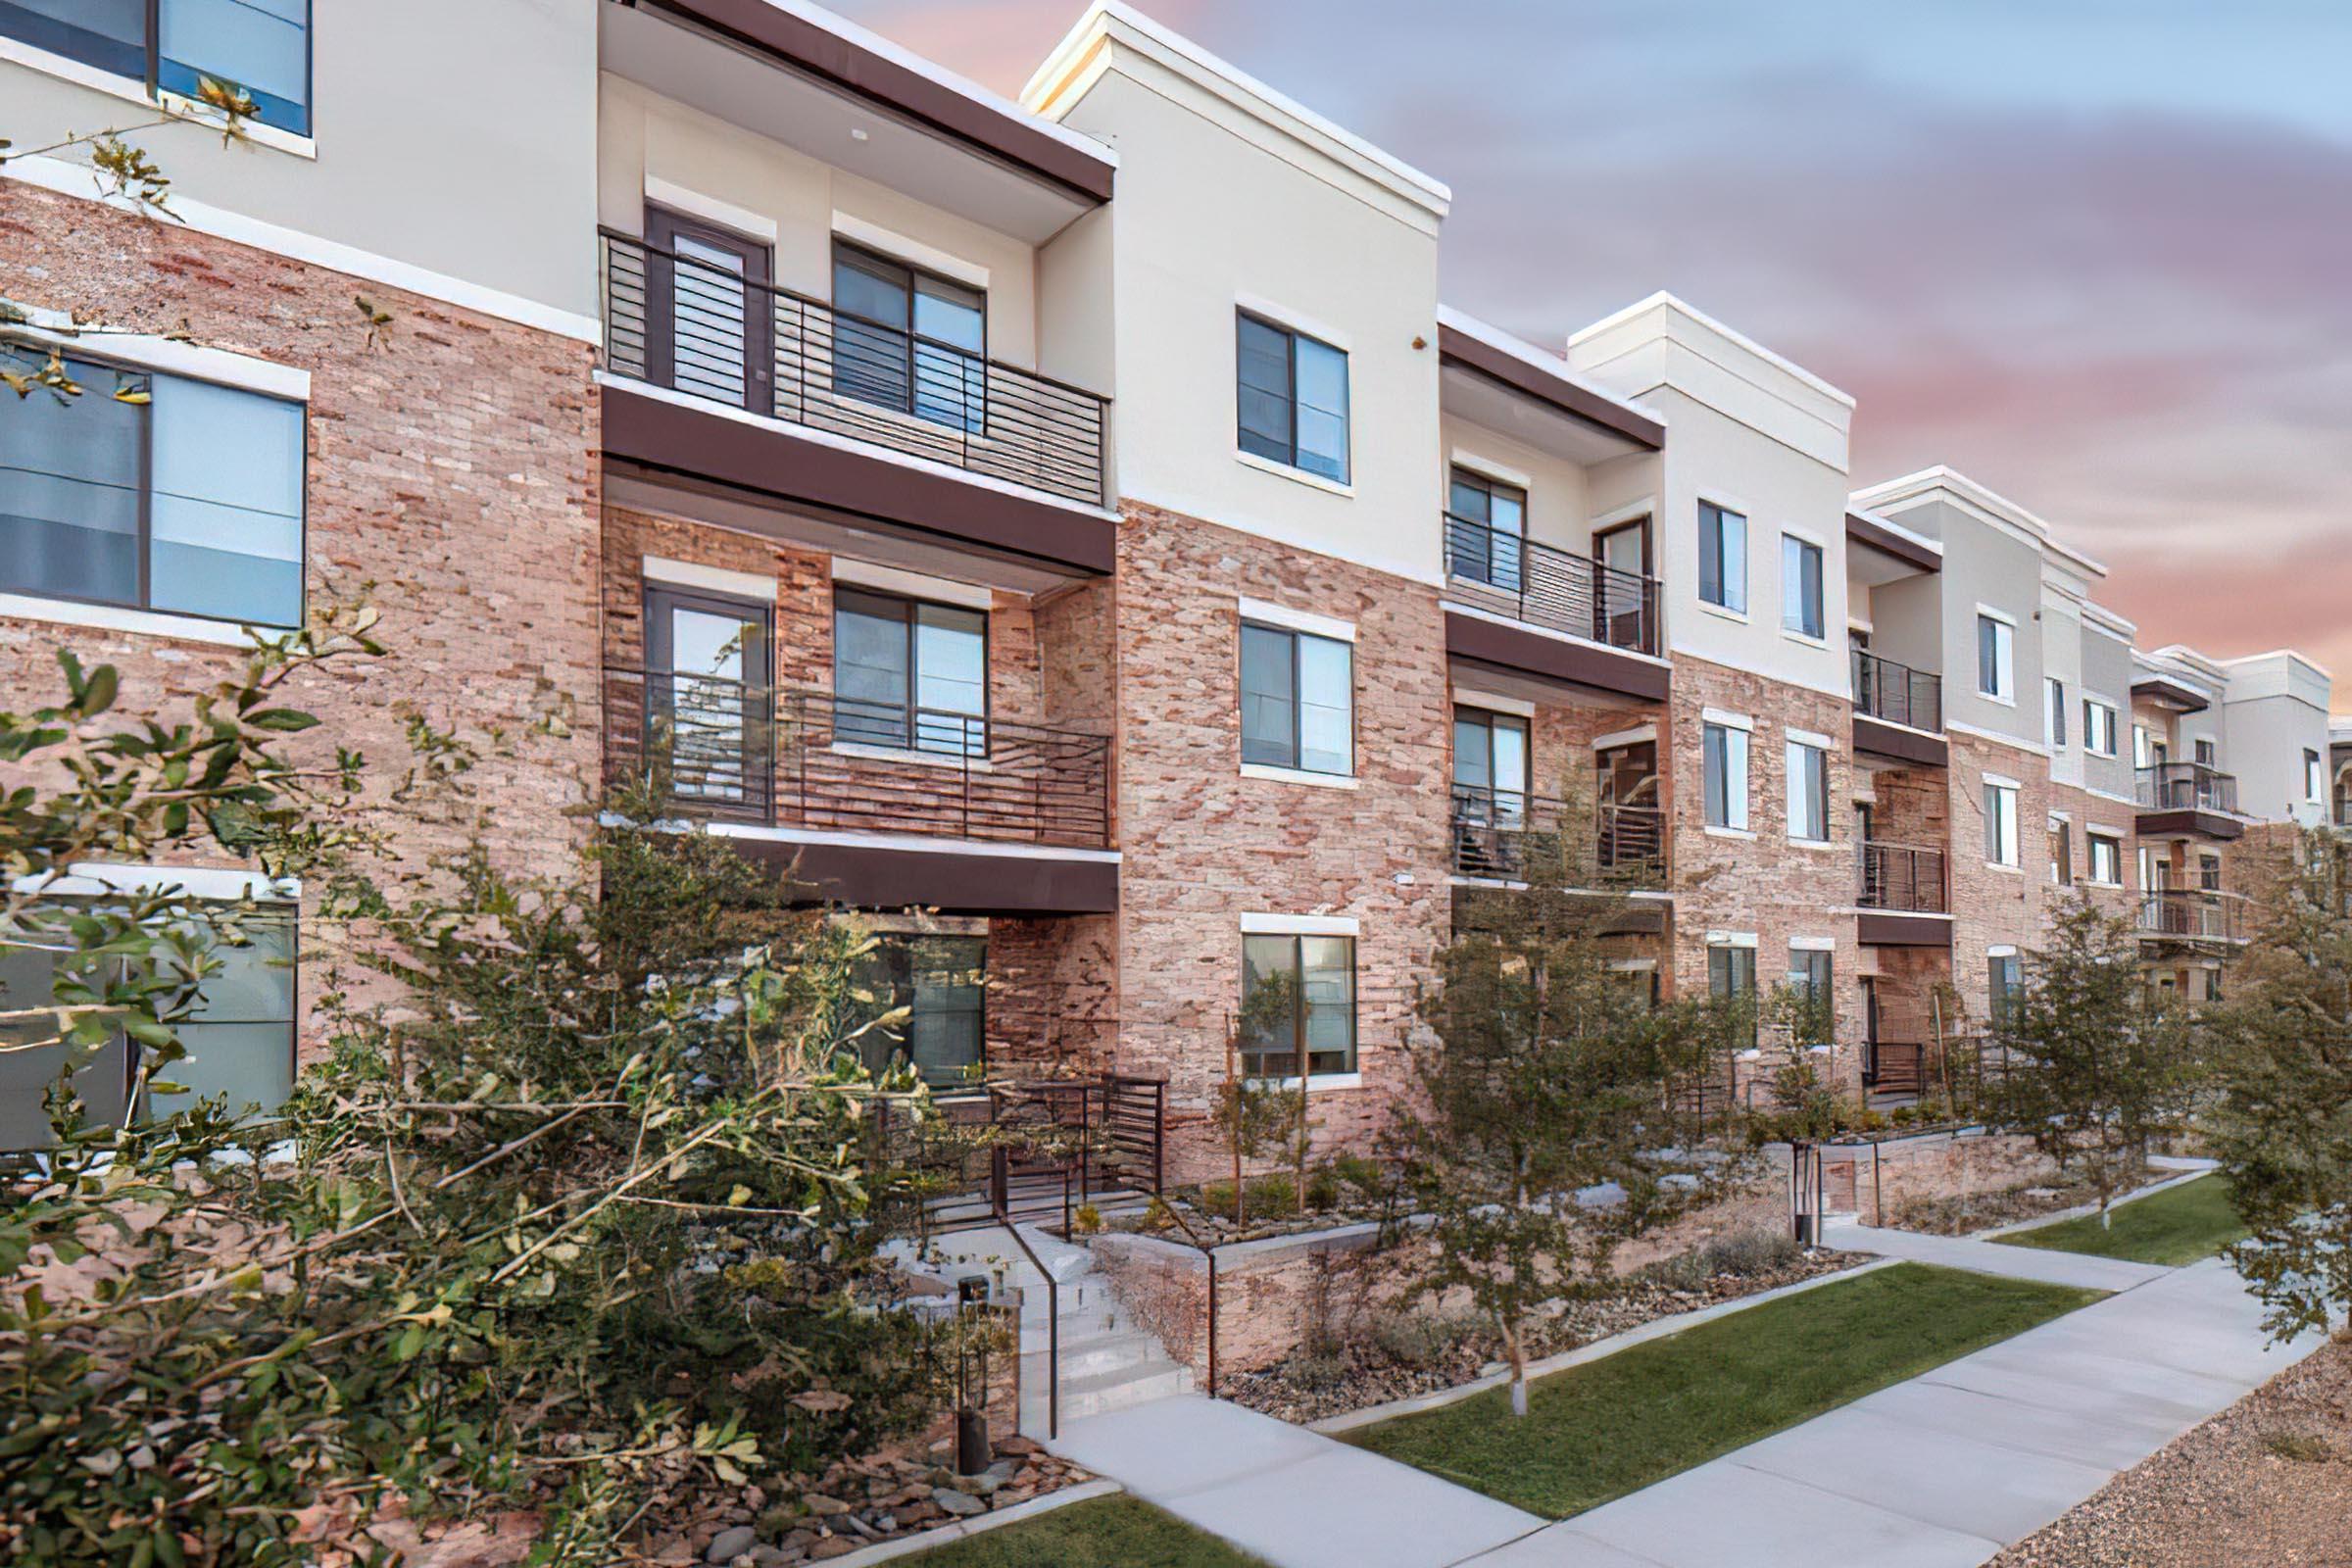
(1886, 928)
(711, 444)
(2189, 823)
(799, 42)
(1886, 541)
(1533, 381)
(1605, 670)
(1897, 744)
(951, 881)
(2171, 692)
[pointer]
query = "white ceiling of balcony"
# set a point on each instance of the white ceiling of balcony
(1483, 402)
(679, 62)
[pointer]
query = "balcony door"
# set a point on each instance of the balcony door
(708, 704)
(1621, 598)
(1490, 790)
(1486, 524)
(711, 332)
(1625, 779)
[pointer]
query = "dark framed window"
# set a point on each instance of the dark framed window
(2099, 728)
(1808, 792)
(2314, 778)
(1996, 667)
(261, 46)
(1724, 765)
(2000, 825)
(909, 674)
(154, 492)
(1297, 700)
(1486, 526)
(709, 695)
(1319, 973)
(1732, 977)
(908, 339)
(1810, 974)
(2209, 873)
(1800, 586)
(941, 981)
(1292, 397)
(1722, 558)
(2205, 753)
(709, 325)
(1491, 753)
(2062, 851)
(2106, 859)
(2004, 984)
(2057, 693)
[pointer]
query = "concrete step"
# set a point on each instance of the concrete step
(1099, 1392)
(1107, 1351)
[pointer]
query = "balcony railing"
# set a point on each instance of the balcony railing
(812, 759)
(2187, 787)
(2192, 915)
(1516, 577)
(684, 323)
(1898, 693)
(1497, 832)
(1902, 877)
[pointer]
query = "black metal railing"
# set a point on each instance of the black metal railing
(1905, 877)
(1896, 693)
(809, 758)
(681, 322)
(2192, 915)
(1513, 575)
(2186, 787)
(1496, 833)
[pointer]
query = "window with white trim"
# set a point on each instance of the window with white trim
(2315, 778)
(1800, 586)
(2098, 728)
(1808, 792)
(2000, 823)
(2062, 851)
(262, 47)
(1996, 659)
(1310, 1007)
(2054, 726)
(2106, 859)
(1293, 398)
(1722, 558)
(1297, 700)
(1726, 767)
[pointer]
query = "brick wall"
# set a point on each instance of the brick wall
(1993, 906)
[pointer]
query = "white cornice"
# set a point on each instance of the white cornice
(1675, 302)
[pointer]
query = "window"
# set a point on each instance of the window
(1732, 977)
(2314, 779)
(2204, 754)
(909, 340)
(909, 674)
(707, 691)
(2142, 747)
(189, 503)
(2106, 860)
(942, 983)
(1293, 398)
(1809, 976)
(2000, 825)
(2005, 983)
(1485, 522)
(2099, 728)
(2209, 873)
(2155, 872)
(1808, 792)
(2057, 718)
(263, 46)
(1726, 749)
(1996, 659)
(1314, 1006)
(1722, 558)
(2062, 851)
(1489, 762)
(1800, 586)
(1297, 701)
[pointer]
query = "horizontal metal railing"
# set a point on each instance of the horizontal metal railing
(809, 758)
(1896, 693)
(2192, 915)
(1902, 877)
(681, 322)
(1495, 832)
(1526, 580)
(2186, 787)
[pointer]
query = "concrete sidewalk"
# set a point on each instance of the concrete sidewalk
(1980, 1256)
(1945, 1469)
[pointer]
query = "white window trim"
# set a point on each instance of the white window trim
(2010, 622)
(1722, 502)
(1490, 702)
(1295, 320)
(1631, 510)
(2001, 950)
(130, 89)
(1745, 835)
(2001, 780)
(714, 579)
(1717, 715)
(2001, 615)
(1489, 469)
(146, 351)
(1806, 737)
(142, 622)
(1636, 736)
(1805, 535)
(903, 248)
(1264, 923)
(1300, 775)
(1711, 608)
(1284, 618)
(1795, 740)
(1285, 471)
(715, 210)
(1813, 943)
(211, 884)
(912, 584)
(1315, 1083)
(1732, 938)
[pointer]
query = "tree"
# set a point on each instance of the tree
(2095, 1062)
(2282, 1123)
(1543, 1137)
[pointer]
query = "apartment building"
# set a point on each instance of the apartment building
(1075, 535)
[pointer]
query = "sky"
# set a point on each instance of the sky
(2094, 254)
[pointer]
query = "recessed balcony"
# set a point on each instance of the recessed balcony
(1497, 834)
(1904, 896)
(2187, 799)
(2199, 917)
(1533, 606)
(1899, 710)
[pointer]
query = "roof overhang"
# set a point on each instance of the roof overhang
(2165, 691)
(1892, 542)
(1586, 424)
(2188, 822)
(1899, 744)
(1890, 928)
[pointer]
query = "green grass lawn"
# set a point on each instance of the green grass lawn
(2179, 1225)
(1093, 1534)
(1608, 1426)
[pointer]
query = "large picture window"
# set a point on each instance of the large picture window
(909, 340)
(909, 674)
(1293, 398)
(1297, 701)
(263, 46)
(1314, 1004)
(154, 492)
(942, 983)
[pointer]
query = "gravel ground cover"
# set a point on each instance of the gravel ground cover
(1965, 1214)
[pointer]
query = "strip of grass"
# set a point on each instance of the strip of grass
(1092, 1534)
(2179, 1225)
(1612, 1426)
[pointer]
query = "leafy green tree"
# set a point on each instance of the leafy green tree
(2097, 1063)
(2282, 1123)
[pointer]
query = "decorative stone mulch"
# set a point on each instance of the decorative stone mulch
(1217, 1229)
(2265, 1484)
(1305, 1388)
(1966, 1214)
(858, 1503)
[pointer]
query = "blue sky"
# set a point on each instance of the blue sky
(2095, 253)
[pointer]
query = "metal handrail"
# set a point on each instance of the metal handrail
(999, 1183)
(1492, 830)
(1896, 693)
(1527, 580)
(2198, 915)
(1905, 877)
(807, 362)
(2185, 786)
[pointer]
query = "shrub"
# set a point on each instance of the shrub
(2302, 1447)
(1419, 1339)
(1317, 1373)
(1087, 1220)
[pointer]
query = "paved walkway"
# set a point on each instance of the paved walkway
(1991, 1258)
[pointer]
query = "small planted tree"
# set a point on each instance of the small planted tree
(1543, 1137)
(2281, 1121)
(2095, 1063)
(1260, 1115)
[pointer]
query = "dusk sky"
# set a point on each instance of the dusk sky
(2096, 254)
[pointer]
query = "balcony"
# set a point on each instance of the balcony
(1904, 896)
(874, 804)
(1507, 581)
(2187, 798)
(2196, 916)
(1899, 710)
(1496, 833)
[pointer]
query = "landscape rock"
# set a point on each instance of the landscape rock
(731, 1544)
